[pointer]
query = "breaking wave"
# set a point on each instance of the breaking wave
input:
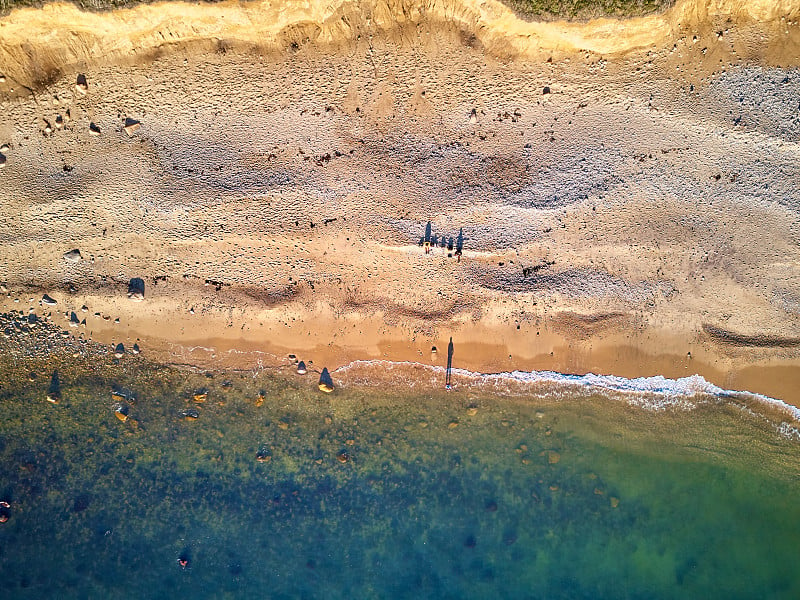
(654, 393)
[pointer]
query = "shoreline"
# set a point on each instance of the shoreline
(627, 354)
(563, 342)
(72, 355)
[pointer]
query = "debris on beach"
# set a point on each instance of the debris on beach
(325, 381)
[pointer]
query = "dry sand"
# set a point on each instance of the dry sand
(641, 218)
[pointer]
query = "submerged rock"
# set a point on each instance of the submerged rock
(122, 395)
(190, 414)
(121, 412)
(54, 391)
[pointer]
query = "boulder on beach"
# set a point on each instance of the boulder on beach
(325, 381)
(73, 256)
(81, 85)
(94, 129)
(136, 289)
(301, 368)
(48, 300)
(119, 351)
(131, 126)
(2, 161)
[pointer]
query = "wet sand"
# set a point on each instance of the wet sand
(632, 213)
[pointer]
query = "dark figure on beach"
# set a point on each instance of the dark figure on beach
(447, 379)
(460, 243)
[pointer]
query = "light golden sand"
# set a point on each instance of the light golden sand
(630, 187)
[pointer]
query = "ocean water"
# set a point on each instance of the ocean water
(383, 494)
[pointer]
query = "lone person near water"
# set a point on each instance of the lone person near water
(447, 380)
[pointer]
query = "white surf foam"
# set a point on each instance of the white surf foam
(656, 392)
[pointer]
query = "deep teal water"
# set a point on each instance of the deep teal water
(516, 501)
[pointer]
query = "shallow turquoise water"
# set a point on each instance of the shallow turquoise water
(526, 498)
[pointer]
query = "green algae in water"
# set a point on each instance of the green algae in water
(368, 495)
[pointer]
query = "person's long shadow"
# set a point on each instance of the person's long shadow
(447, 379)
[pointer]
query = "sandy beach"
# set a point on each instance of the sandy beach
(623, 194)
